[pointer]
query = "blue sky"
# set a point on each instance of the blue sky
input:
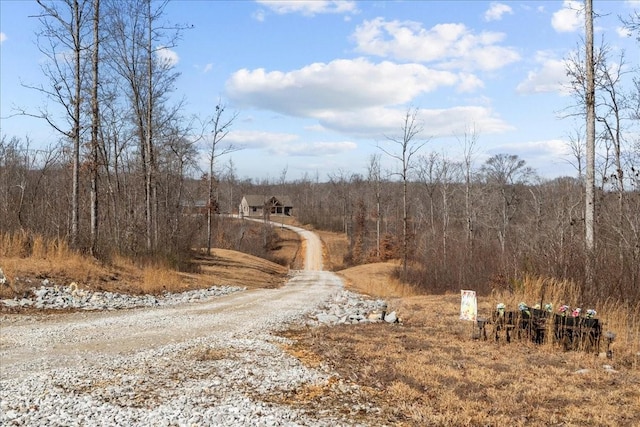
(319, 85)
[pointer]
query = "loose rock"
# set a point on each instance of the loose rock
(55, 297)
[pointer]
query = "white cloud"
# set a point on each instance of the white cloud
(207, 68)
(359, 98)
(569, 18)
(449, 45)
(469, 83)
(550, 76)
(286, 144)
(552, 148)
(309, 7)
(167, 57)
(549, 158)
(315, 128)
(623, 32)
(258, 139)
(373, 123)
(259, 15)
(496, 11)
(3, 37)
(340, 85)
(314, 149)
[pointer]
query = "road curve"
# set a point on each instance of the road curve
(57, 352)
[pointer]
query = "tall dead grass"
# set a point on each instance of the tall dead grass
(378, 280)
(25, 245)
(154, 276)
(157, 278)
(46, 257)
(621, 318)
(429, 372)
(23, 255)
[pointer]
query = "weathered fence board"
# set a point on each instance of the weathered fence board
(573, 333)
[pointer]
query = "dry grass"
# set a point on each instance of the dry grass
(376, 280)
(622, 319)
(289, 248)
(427, 371)
(27, 260)
(335, 249)
(430, 371)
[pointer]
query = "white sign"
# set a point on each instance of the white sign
(468, 305)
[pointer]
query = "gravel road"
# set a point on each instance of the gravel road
(198, 364)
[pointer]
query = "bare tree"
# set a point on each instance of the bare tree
(576, 145)
(590, 105)
(95, 125)
(220, 127)
(340, 182)
(23, 178)
(62, 39)
(504, 171)
(135, 46)
(469, 144)
(406, 147)
(632, 23)
(582, 72)
(597, 84)
(180, 154)
(426, 170)
(437, 174)
(375, 178)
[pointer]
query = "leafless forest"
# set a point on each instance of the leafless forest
(123, 175)
(490, 232)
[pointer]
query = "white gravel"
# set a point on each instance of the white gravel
(203, 362)
(54, 297)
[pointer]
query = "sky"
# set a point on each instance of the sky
(321, 86)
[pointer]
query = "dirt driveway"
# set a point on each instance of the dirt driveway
(134, 363)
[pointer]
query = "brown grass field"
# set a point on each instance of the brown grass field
(428, 370)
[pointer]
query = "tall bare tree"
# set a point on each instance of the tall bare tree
(95, 124)
(375, 178)
(405, 148)
(469, 142)
(582, 72)
(63, 40)
(135, 49)
(220, 127)
(504, 172)
(590, 105)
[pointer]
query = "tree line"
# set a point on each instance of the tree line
(125, 177)
(125, 147)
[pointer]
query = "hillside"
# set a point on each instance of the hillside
(427, 370)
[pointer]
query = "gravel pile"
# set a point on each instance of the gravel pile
(49, 296)
(347, 307)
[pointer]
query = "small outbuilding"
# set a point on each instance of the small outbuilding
(261, 206)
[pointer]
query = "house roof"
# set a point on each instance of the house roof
(257, 200)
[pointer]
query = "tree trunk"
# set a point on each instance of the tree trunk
(75, 192)
(149, 190)
(94, 127)
(405, 220)
(589, 217)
